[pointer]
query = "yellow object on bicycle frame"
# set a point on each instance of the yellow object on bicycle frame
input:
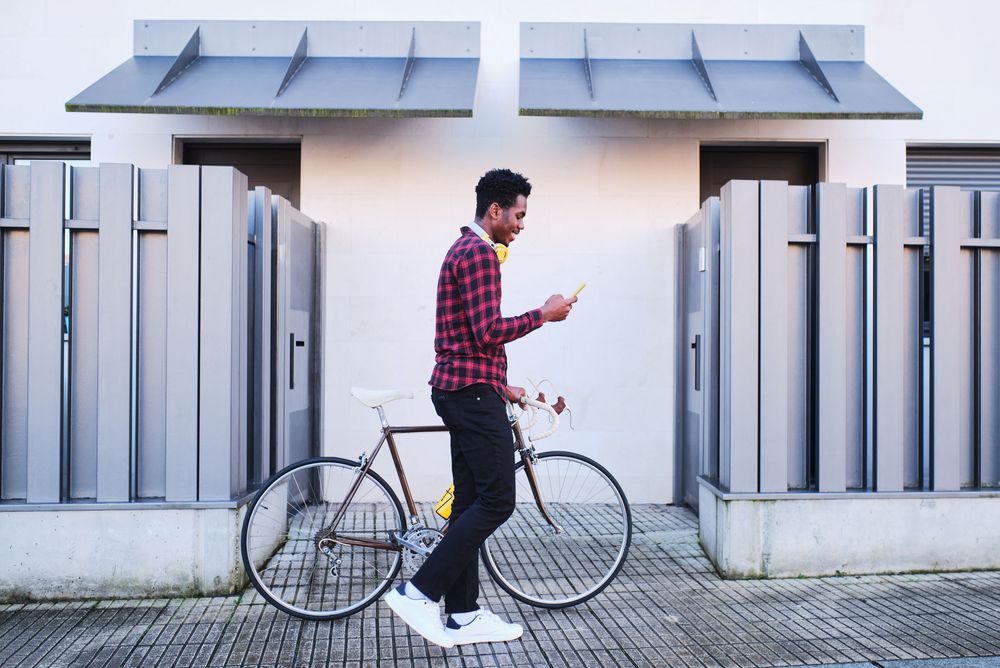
(443, 507)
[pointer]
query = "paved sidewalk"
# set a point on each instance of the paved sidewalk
(667, 608)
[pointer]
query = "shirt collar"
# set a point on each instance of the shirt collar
(477, 229)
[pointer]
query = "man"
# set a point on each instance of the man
(470, 393)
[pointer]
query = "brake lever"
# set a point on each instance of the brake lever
(569, 412)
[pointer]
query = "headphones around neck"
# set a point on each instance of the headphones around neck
(500, 249)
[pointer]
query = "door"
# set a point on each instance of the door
(697, 450)
(295, 342)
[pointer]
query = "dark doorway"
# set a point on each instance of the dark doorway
(799, 165)
(277, 166)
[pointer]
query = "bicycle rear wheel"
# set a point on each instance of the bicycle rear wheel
(279, 539)
(536, 565)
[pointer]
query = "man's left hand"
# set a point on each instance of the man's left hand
(515, 393)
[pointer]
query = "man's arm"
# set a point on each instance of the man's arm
(477, 273)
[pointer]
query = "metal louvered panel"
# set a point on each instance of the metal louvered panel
(974, 168)
(969, 168)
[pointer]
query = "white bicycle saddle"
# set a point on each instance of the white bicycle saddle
(375, 398)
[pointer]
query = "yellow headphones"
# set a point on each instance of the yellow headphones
(500, 249)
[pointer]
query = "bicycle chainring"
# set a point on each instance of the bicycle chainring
(428, 538)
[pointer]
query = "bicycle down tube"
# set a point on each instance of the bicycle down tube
(365, 464)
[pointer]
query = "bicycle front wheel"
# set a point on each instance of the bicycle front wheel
(559, 567)
(283, 524)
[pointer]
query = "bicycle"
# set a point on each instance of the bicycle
(326, 537)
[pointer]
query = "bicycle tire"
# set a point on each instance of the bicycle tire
(534, 551)
(295, 551)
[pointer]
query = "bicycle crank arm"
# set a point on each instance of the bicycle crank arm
(416, 547)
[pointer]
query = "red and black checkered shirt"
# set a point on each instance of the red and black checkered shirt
(470, 332)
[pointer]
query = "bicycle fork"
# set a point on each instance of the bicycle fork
(528, 457)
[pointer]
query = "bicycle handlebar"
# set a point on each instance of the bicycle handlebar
(551, 410)
(532, 417)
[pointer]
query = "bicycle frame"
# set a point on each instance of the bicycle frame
(388, 434)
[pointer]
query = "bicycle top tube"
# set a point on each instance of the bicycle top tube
(377, 399)
(417, 430)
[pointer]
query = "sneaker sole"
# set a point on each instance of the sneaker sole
(472, 641)
(390, 601)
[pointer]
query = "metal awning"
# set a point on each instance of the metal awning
(702, 71)
(293, 68)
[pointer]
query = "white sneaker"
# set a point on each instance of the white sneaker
(486, 627)
(422, 615)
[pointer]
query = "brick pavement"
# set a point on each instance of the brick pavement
(667, 608)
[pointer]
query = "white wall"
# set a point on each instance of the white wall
(607, 191)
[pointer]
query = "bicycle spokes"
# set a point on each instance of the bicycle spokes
(299, 564)
(573, 557)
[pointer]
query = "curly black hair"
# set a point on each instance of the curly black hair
(501, 186)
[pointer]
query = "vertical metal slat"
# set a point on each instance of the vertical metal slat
(114, 364)
(856, 342)
(3, 343)
(183, 289)
(85, 201)
(45, 325)
(151, 337)
(889, 328)
(799, 339)
(712, 217)
(738, 400)
(831, 354)
(223, 257)
(989, 344)
(14, 467)
(949, 338)
(242, 331)
(774, 336)
(262, 337)
(912, 343)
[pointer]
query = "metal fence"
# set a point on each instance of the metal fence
(805, 323)
(132, 333)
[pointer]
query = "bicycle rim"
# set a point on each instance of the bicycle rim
(278, 541)
(538, 566)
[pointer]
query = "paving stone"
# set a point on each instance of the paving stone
(667, 608)
(978, 662)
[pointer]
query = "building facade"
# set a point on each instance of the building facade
(607, 191)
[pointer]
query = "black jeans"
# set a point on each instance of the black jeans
(482, 466)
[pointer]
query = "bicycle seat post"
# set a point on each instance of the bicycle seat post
(381, 417)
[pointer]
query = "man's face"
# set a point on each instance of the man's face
(510, 221)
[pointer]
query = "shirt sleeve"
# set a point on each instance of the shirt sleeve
(477, 274)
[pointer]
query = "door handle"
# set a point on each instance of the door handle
(696, 346)
(292, 345)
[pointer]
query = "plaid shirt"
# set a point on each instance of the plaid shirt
(470, 332)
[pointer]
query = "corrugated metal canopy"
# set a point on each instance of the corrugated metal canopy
(293, 68)
(702, 71)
